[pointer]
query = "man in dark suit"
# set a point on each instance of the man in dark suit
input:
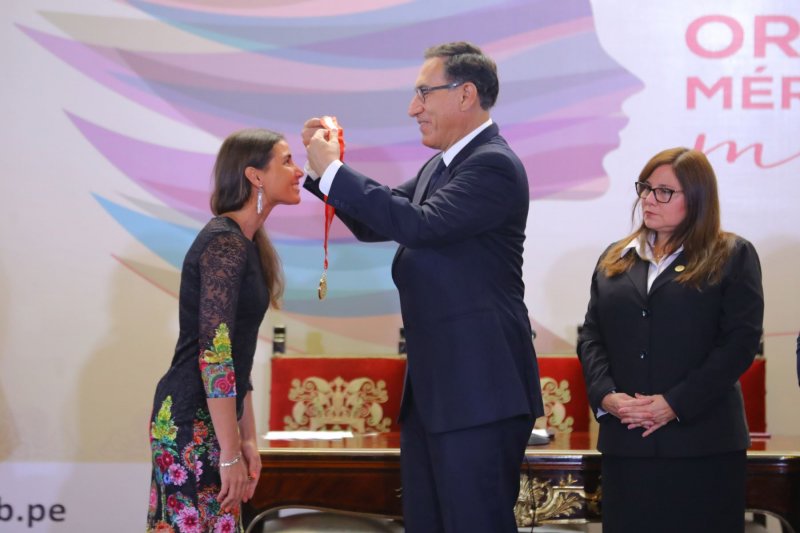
(472, 385)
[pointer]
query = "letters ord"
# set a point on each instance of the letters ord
(769, 32)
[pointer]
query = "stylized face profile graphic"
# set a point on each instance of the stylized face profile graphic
(220, 66)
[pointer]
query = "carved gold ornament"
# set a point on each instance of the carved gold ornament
(338, 405)
(554, 396)
(562, 500)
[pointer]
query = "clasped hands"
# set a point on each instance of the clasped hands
(639, 411)
(322, 145)
(240, 477)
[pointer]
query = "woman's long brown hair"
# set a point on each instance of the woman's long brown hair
(705, 246)
(242, 149)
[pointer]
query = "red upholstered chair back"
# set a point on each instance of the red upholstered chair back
(363, 393)
(356, 393)
(566, 405)
(754, 390)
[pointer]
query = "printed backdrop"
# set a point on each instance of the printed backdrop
(113, 112)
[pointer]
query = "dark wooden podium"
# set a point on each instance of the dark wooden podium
(560, 481)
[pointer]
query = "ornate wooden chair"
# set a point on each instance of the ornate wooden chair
(348, 393)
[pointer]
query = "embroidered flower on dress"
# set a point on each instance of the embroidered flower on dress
(189, 457)
(216, 366)
(188, 521)
(174, 503)
(225, 524)
(177, 474)
(223, 385)
(200, 432)
(163, 428)
(208, 503)
(153, 498)
(164, 460)
(163, 527)
(213, 456)
(221, 350)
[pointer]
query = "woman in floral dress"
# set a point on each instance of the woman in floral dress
(202, 431)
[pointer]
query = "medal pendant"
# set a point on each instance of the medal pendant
(322, 290)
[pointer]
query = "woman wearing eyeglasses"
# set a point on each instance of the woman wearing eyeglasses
(674, 319)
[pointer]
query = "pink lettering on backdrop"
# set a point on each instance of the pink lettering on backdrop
(737, 36)
(734, 153)
(695, 84)
(786, 93)
(755, 86)
(772, 36)
(783, 41)
(761, 35)
(761, 91)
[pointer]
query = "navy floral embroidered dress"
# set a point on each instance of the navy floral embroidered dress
(223, 299)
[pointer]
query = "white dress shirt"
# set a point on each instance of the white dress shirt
(645, 251)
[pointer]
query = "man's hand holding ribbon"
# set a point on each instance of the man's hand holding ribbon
(324, 142)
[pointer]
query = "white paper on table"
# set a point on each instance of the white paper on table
(308, 435)
(541, 433)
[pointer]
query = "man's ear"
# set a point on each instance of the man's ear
(469, 96)
(251, 173)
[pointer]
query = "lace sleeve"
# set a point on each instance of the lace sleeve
(221, 269)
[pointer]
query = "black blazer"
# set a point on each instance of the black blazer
(458, 271)
(689, 345)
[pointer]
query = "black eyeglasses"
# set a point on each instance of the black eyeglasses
(422, 92)
(663, 194)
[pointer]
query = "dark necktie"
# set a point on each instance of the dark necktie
(438, 178)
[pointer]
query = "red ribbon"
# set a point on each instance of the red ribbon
(330, 123)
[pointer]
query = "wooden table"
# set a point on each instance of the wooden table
(560, 482)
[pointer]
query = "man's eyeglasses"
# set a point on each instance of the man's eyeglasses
(663, 194)
(422, 92)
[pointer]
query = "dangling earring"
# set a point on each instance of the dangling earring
(260, 200)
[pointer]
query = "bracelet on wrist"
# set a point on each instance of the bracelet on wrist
(231, 462)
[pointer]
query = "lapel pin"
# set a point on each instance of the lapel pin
(680, 268)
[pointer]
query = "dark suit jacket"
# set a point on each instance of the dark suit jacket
(458, 271)
(689, 345)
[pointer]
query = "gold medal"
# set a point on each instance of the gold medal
(322, 290)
